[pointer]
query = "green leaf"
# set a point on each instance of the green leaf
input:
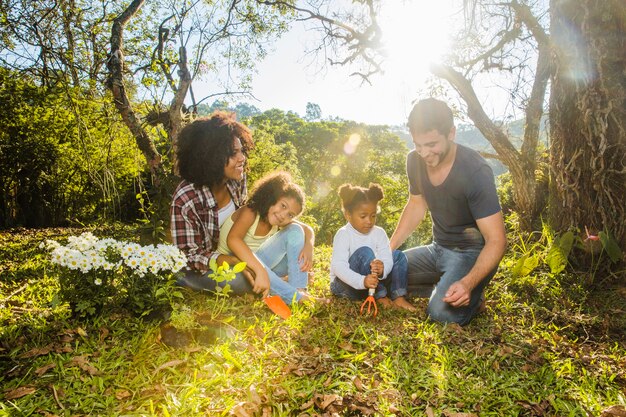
(559, 252)
(239, 267)
(525, 265)
(213, 265)
(610, 246)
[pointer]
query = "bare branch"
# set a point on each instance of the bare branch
(475, 111)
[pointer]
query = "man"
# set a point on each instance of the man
(457, 186)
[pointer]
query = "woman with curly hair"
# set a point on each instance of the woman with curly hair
(266, 235)
(212, 154)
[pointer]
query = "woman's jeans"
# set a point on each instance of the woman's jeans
(435, 265)
(393, 286)
(279, 254)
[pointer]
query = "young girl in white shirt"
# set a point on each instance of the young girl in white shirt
(362, 258)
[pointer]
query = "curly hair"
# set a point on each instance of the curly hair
(352, 195)
(272, 187)
(430, 114)
(206, 144)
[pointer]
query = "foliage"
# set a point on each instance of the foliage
(531, 353)
(550, 253)
(61, 160)
(97, 273)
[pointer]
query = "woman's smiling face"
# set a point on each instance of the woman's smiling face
(234, 168)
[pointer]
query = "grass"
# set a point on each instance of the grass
(545, 347)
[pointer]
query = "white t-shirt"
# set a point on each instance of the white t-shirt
(225, 212)
(347, 240)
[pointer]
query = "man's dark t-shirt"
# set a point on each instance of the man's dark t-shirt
(467, 194)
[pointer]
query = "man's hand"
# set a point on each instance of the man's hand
(458, 295)
(377, 267)
(370, 281)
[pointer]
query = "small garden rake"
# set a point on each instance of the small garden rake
(370, 302)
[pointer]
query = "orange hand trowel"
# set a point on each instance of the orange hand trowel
(278, 306)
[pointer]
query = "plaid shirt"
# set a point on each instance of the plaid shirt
(194, 221)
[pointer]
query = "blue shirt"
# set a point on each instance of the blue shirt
(468, 193)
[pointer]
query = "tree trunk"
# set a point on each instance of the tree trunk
(115, 82)
(521, 166)
(588, 117)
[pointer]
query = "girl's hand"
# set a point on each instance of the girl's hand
(306, 257)
(377, 267)
(370, 281)
(262, 284)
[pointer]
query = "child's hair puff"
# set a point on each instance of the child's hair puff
(353, 195)
(270, 188)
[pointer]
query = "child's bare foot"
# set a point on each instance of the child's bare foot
(385, 302)
(402, 302)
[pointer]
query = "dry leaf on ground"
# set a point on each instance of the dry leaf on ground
(169, 364)
(44, 369)
(19, 393)
(37, 352)
(82, 363)
(614, 411)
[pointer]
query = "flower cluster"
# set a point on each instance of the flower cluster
(86, 253)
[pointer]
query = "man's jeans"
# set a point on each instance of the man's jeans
(434, 265)
(394, 285)
(279, 254)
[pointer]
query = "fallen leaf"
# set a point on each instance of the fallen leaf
(104, 332)
(241, 410)
(37, 352)
(169, 364)
(357, 383)
(63, 349)
(44, 369)
(328, 400)
(307, 405)
(614, 411)
(347, 346)
(66, 338)
(158, 389)
(254, 395)
(19, 393)
(452, 414)
(120, 395)
(82, 363)
(81, 331)
(429, 411)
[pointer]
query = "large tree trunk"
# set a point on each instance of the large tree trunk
(588, 116)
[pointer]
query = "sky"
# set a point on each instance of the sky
(416, 34)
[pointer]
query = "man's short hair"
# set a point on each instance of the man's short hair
(430, 114)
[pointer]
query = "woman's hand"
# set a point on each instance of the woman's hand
(306, 257)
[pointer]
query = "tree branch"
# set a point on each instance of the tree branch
(475, 111)
(115, 82)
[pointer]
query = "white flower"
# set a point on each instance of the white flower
(97, 281)
(88, 253)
